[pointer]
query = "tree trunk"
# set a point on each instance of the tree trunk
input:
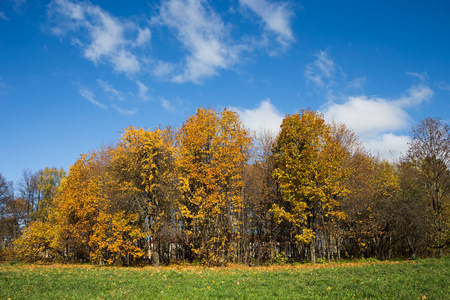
(312, 249)
(338, 242)
(155, 255)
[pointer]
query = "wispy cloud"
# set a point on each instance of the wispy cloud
(3, 17)
(105, 41)
(2, 85)
(263, 117)
(275, 16)
(208, 43)
(143, 91)
(125, 112)
(115, 94)
(18, 4)
(356, 84)
(442, 85)
(420, 76)
(87, 94)
(162, 69)
(110, 90)
(322, 71)
(4, 88)
(143, 37)
(329, 80)
(203, 34)
(144, 96)
(415, 95)
(327, 77)
(166, 104)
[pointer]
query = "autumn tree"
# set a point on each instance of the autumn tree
(382, 204)
(47, 182)
(144, 165)
(359, 227)
(35, 242)
(310, 175)
(38, 192)
(260, 191)
(77, 206)
(88, 224)
(29, 191)
(8, 224)
(208, 192)
(430, 153)
(6, 193)
(213, 149)
(413, 216)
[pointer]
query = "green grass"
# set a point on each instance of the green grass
(419, 279)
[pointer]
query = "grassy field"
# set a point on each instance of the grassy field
(418, 279)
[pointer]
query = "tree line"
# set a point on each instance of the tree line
(213, 192)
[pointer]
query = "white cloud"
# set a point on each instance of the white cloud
(276, 18)
(415, 95)
(143, 89)
(379, 122)
(388, 145)
(161, 69)
(125, 112)
(105, 40)
(106, 33)
(126, 62)
(202, 34)
(207, 41)
(264, 116)
(367, 116)
(376, 120)
(144, 36)
(88, 95)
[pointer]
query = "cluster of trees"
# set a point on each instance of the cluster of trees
(212, 192)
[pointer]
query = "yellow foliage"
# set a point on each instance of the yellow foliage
(144, 166)
(34, 243)
(115, 238)
(310, 172)
(213, 149)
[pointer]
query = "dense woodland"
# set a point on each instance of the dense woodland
(212, 192)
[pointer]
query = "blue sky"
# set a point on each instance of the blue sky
(74, 74)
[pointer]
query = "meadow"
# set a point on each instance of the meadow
(415, 279)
